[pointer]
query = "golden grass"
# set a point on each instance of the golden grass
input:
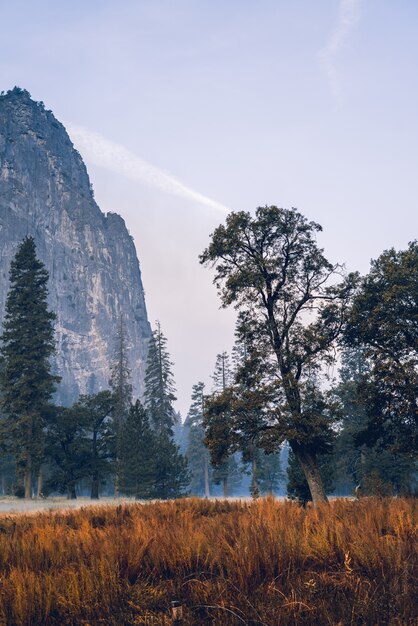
(229, 563)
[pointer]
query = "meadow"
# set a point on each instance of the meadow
(264, 562)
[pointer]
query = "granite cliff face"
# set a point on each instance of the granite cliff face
(91, 259)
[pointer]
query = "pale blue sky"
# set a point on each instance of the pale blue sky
(302, 103)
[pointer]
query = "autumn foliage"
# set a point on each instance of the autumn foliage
(266, 562)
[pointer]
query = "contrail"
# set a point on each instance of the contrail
(117, 158)
(348, 13)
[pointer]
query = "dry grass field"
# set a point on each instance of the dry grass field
(228, 563)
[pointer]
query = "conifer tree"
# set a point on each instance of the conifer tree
(197, 453)
(159, 384)
(139, 451)
(120, 384)
(27, 344)
(171, 475)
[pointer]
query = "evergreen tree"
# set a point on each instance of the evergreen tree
(171, 473)
(120, 384)
(218, 433)
(27, 344)
(159, 384)
(139, 453)
(197, 453)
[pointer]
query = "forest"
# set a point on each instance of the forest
(318, 396)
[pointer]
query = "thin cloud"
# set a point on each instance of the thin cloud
(348, 14)
(112, 156)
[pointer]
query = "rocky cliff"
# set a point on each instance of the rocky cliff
(91, 259)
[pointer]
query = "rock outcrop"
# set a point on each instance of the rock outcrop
(91, 259)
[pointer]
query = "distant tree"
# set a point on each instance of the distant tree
(226, 469)
(197, 453)
(27, 344)
(95, 411)
(384, 324)
(68, 448)
(171, 474)
(271, 269)
(371, 467)
(120, 384)
(159, 384)
(139, 453)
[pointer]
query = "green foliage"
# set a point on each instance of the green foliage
(384, 323)
(27, 343)
(171, 474)
(197, 454)
(139, 452)
(272, 270)
(373, 469)
(159, 384)
(68, 448)
(95, 412)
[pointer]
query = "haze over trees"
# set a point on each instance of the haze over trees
(296, 313)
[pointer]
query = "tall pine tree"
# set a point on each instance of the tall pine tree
(197, 453)
(27, 343)
(120, 384)
(159, 384)
(171, 475)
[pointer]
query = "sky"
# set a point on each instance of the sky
(184, 110)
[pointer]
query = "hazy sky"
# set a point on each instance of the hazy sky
(184, 109)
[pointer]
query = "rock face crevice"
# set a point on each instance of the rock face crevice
(94, 272)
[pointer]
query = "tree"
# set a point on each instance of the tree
(120, 384)
(197, 453)
(367, 464)
(139, 451)
(272, 270)
(171, 467)
(171, 473)
(384, 324)
(159, 384)
(95, 411)
(68, 448)
(27, 344)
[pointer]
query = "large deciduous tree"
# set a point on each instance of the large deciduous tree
(27, 344)
(271, 268)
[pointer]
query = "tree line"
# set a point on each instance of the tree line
(299, 317)
(102, 438)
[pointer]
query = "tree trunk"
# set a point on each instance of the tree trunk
(94, 494)
(71, 493)
(311, 470)
(28, 477)
(40, 483)
(207, 491)
(225, 486)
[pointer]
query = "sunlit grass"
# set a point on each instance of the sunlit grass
(265, 562)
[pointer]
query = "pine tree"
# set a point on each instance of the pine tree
(139, 451)
(159, 384)
(197, 453)
(120, 384)
(226, 470)
(171, 473)
(27, 344)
